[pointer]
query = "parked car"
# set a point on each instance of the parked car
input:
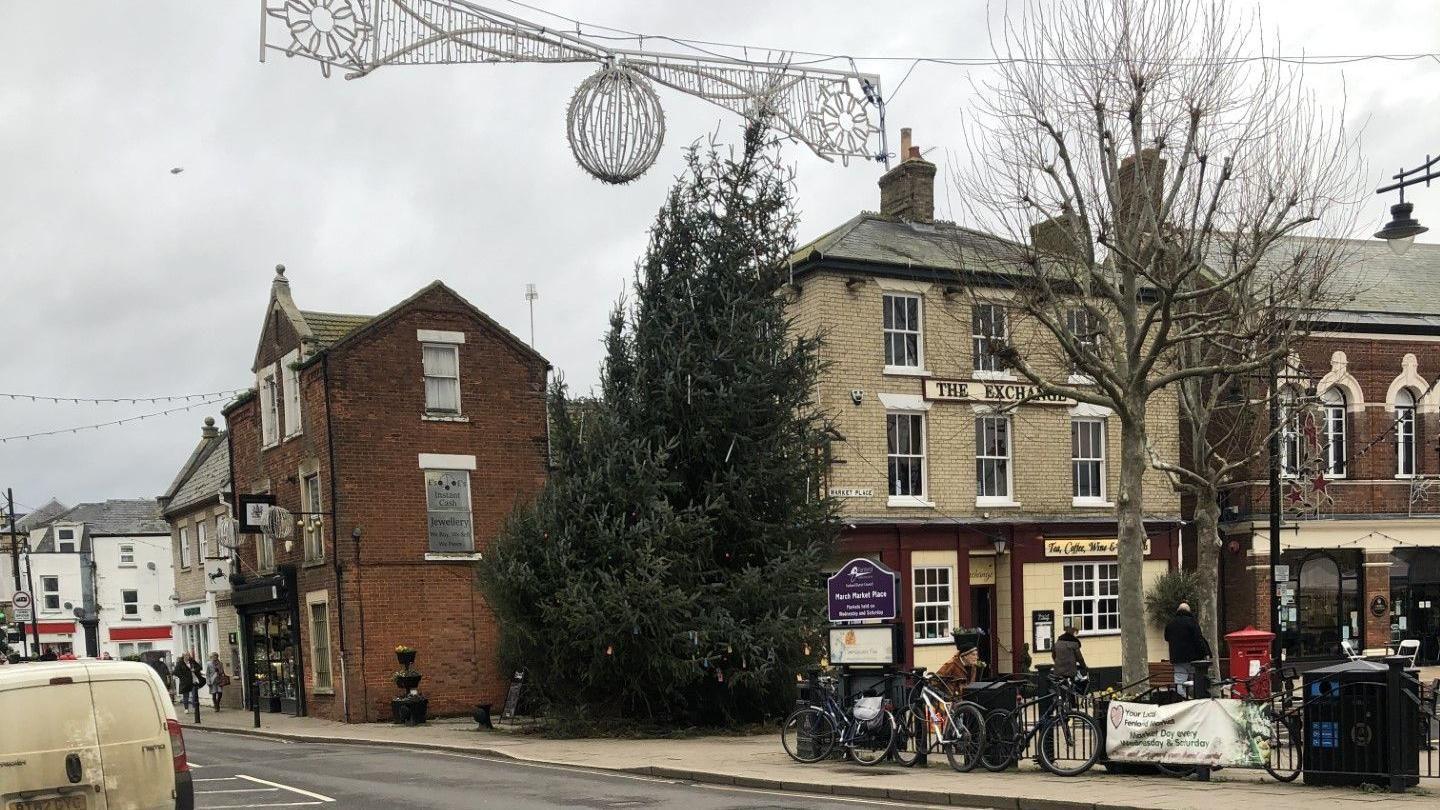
(90, 735)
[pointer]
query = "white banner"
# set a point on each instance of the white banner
(1230, 733)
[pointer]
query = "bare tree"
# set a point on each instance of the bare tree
(1151, 173)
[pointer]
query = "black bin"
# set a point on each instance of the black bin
(1347, 725)
(995, 694)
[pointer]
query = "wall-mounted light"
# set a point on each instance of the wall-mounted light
(1000, 542)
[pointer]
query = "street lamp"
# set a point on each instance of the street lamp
(1401, 230)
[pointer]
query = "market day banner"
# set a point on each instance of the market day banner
(1229, 733)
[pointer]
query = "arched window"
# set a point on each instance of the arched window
(1333, 402)
(1289, 431)
(1405, 433)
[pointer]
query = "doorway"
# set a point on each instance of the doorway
(982, 615)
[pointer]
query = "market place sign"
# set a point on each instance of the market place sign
(1086, 547)
(990, 391)
(862, 590)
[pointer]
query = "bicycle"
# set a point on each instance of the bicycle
(931, 720)
(1068, 740)
(812, 732)
(1284, 734)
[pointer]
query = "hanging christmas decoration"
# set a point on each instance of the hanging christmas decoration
(615, 124)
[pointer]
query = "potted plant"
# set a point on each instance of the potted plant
(407, 679)
(405, 655)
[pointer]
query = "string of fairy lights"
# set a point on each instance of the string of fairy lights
(188, 402)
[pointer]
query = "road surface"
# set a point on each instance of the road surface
(234, 772)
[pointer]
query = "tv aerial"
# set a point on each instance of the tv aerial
(615, 123)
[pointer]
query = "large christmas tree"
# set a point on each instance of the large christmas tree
(670, 570)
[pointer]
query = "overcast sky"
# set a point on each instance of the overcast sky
(121, 279)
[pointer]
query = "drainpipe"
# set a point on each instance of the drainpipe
(334, 536)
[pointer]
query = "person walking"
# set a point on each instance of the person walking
(185, 680)
(1187, 645)
(1069, 660)
(218, 678)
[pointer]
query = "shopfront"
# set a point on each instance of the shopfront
(1320, 602)
(269, 622)
(1415, 600)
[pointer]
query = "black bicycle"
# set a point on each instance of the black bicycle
(1067, 741)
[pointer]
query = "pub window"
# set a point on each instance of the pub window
(1092, 596)
(902, 330)
(987, 336)
(932, 603)
(905, 454)
(1087, 459)
(49, 593)
(1084, 327)
(131, 602)
(1333, 401)
(1405, 434)
(992, 458)
(442, 377)
(447, 502)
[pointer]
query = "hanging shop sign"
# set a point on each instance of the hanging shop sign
(862, 589)
(252, 510)
(864, 644)
(1229, 733)
(1085, 547)
(1000, 393)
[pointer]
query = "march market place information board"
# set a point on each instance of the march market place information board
(1229, 733)
(862, 590)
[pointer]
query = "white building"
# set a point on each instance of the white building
(103, 579)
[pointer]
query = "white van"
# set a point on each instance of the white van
(90, 735)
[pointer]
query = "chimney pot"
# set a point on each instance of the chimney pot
(914, 153)
(904, 143)
(907, 191)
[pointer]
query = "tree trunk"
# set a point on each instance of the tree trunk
(1207, 562)
(1130, 519)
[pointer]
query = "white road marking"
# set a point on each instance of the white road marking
(281, 804)
(216, 779)
(322, 797)
(237, 790)
(194, 764)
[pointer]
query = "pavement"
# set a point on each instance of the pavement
(759, 762)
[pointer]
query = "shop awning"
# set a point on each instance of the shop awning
(139, 633)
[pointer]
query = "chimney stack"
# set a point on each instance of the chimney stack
(1140, 176)
(908, 190)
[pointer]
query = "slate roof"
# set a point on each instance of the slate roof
(117, 516)
(1381, 282)
(329, 327)
(878, 239)
(40, 516)
(208, 478)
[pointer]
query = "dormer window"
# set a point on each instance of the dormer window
(65, 541)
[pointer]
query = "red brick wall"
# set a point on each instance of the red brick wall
(396, 596)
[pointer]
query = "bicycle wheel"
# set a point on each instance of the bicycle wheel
(966, 737)
(1002, 740)
(1069, 745)
(1286, 756)
(909, 731)
(870, 745)
(809, 734)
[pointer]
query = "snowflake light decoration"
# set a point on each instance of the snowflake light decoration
(843, 120)
(329, 31)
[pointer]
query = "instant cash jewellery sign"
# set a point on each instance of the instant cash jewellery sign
(862, 589)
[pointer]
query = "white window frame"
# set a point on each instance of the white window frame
(264, 553)
(290, 387)
(1334, 407)
(47, 592)
(268, 386)
(1096, 459)
(1289, 432)
(1405, 434)
(130, 607)
(454, 349)
(892, 456)
(1094, 587)
(312, 600)
(65, 541)
(1084, 328)
(127, 555)
(185, 547)
(983, 362)
(927, 612)
(982, 423)
(896, 334)
(312, 505)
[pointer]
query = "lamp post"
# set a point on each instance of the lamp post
(1401, 230)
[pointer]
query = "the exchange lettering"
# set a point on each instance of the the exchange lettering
(978, 391)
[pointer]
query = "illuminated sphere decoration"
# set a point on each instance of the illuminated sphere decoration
(615, 124)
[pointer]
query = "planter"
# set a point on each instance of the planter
(409, 681)
(410, 710)
(406, 658)
(482, 716)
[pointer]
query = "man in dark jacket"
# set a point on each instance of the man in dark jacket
(1068, 658)
(1187, 645)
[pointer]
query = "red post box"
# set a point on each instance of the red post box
(1250, 656)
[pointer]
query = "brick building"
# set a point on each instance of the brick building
(991, 516)
(400, 443)
(197, 507)
(1360, 559)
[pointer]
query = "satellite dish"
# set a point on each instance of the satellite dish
(278, 522)
(225, 533)
(150, 565)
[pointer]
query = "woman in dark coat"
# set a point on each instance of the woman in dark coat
(185, 680)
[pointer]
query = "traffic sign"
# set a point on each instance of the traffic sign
(24, 606)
